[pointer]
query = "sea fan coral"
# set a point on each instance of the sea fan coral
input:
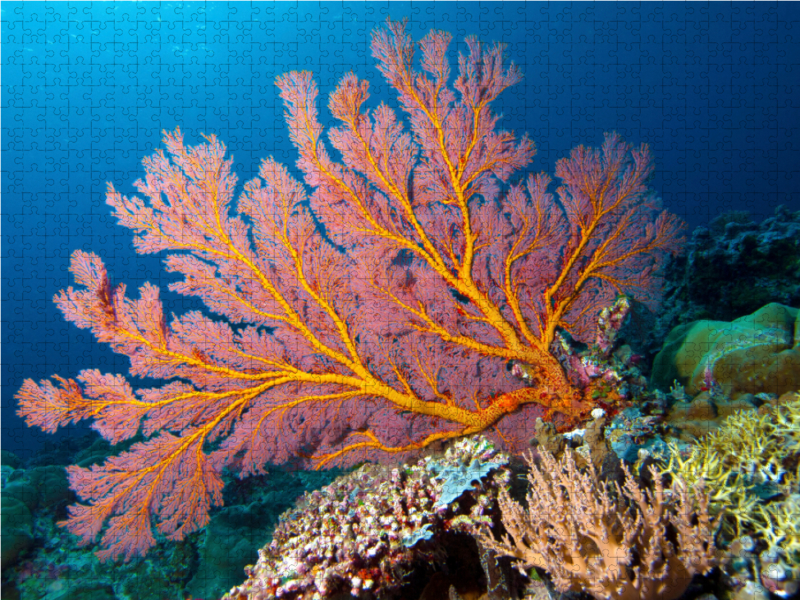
(365, 315)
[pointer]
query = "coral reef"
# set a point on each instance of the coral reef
(24, 492)
(364, 532)
(750, 467)
(610, 541)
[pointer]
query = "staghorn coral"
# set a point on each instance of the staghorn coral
(363, 533)
(751, 469)
(615, 543)
(745, 456)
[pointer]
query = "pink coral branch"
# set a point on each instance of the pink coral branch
(392, 338)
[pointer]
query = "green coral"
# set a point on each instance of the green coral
(752, 354)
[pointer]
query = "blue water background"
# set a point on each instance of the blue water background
(87, 89)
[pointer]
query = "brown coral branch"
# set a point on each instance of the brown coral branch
(609, 541)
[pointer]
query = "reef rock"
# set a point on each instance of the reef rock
(730, 269)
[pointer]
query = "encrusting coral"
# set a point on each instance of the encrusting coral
(614, 543)
(756, 353)
(363, 532)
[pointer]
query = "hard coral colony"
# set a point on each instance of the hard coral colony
(393, 337)
(366, 531)
(751, 469)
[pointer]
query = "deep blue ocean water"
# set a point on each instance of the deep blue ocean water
(89, 87)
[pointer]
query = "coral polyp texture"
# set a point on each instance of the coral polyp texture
(362, 316)
(363, 533)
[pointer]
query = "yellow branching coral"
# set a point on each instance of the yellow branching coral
(706, 466)
(781, 525)
(743, 464)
